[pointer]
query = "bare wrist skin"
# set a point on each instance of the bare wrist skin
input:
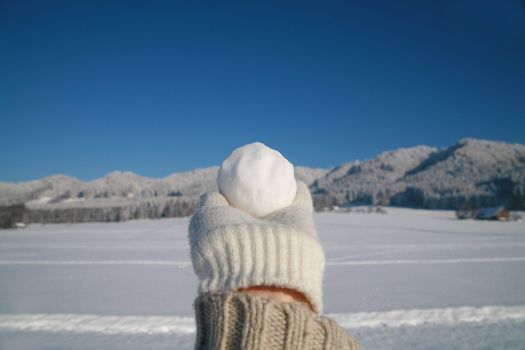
(280, 294)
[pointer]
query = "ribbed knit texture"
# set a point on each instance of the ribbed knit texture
(230, 249)
(236, 321)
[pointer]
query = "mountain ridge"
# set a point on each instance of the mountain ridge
(471, 172)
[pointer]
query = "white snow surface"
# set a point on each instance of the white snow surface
(410, 279)
(257, 179)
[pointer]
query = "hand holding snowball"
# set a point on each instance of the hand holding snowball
(236, 247)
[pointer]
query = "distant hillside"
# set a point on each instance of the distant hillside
(61, 189)
(117, 196)
(470, 172)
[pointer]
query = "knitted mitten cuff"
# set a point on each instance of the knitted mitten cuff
(242, 321)
(230, 249)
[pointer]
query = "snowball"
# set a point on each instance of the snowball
(257, 179)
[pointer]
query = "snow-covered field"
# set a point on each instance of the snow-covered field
(410, 279)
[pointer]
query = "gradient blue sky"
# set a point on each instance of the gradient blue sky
(155, 87)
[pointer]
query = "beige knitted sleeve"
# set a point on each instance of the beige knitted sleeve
(235, 321)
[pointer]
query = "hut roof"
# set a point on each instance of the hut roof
(491, 213)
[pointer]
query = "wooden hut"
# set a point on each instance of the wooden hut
(493, 213)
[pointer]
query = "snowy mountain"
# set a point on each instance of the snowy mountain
(117, 196)
(470, 172)
(368, 182)
(62, 189)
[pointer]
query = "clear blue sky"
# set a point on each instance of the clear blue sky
(155, 87)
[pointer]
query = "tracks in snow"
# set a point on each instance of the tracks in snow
(74, 323)
(152, 325)
(442, 316)
(426, 261)
(183, 264)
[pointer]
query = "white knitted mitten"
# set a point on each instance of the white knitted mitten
(231, 249)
